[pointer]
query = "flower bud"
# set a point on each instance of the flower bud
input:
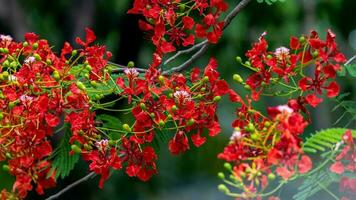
(271, 176)
(190, 122)
(238, 59)
(161, 78)
(126, 127)
(315, 53)
(1, 116)
(81, 86)
(254, 136)
(217, 98)
(48, 61)
(237, 78)
(302, 39)
(228, 166)
(88, 67)
(75, 148)
(247, 63)
(205, 79)
(6, 168)
(35, 46)
(221, 175)
(56, 75)
(87, 147)
(5, 74)
(25, 44)
(37, 57)
(267, 124)
(181, 7)
(13, 64)
(6, 63)
(161, 123)
(130, 64)
(94, 84)
(143, 106)
(203, 89)
(8, 155)
(247, 87)
(174, 108)
(223, 188)
(74, 52)
(169, 116)
(251, 126)
(6, 50)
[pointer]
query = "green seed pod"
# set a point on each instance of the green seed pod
(126, 127)
(75, 148)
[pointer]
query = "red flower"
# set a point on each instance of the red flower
(179, 143)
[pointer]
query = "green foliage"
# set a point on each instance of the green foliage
(324, 140)
(110, 122)
(351, 69)
(269, 2)
(315, 183)
(349, 109)
(63, 162)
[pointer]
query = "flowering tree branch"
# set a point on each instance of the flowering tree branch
(69, 187)
(203, 45)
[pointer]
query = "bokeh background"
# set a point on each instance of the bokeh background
(191, 176)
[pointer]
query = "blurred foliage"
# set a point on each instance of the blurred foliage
(189, 176)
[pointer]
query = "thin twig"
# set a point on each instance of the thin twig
(85, 178)
(203, 45)
(189, 61)
(121, 68)
(350, 60)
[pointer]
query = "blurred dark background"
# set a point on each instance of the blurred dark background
(193, 175)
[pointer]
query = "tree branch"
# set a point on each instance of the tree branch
(350, 60)
(121, 68)
(85, 178)
(203, 45)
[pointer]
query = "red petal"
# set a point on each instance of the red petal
(90, 36)
(198, 140)
(305, 164)
(294, 43)
(313, 100)
(337, 168)
(333, 89)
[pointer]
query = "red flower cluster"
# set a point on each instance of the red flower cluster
(172, 23)
(261, 146)
(37, 88)
(346, 162)
(266, 144)
(285, 67)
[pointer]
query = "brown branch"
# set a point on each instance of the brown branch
(203, 45)
(69, 187)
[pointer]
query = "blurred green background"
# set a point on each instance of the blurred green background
(192, 175)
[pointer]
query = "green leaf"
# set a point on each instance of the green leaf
(111, 122)
(351, 68)
(315, 183)
(63, 163)
(324, 140)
